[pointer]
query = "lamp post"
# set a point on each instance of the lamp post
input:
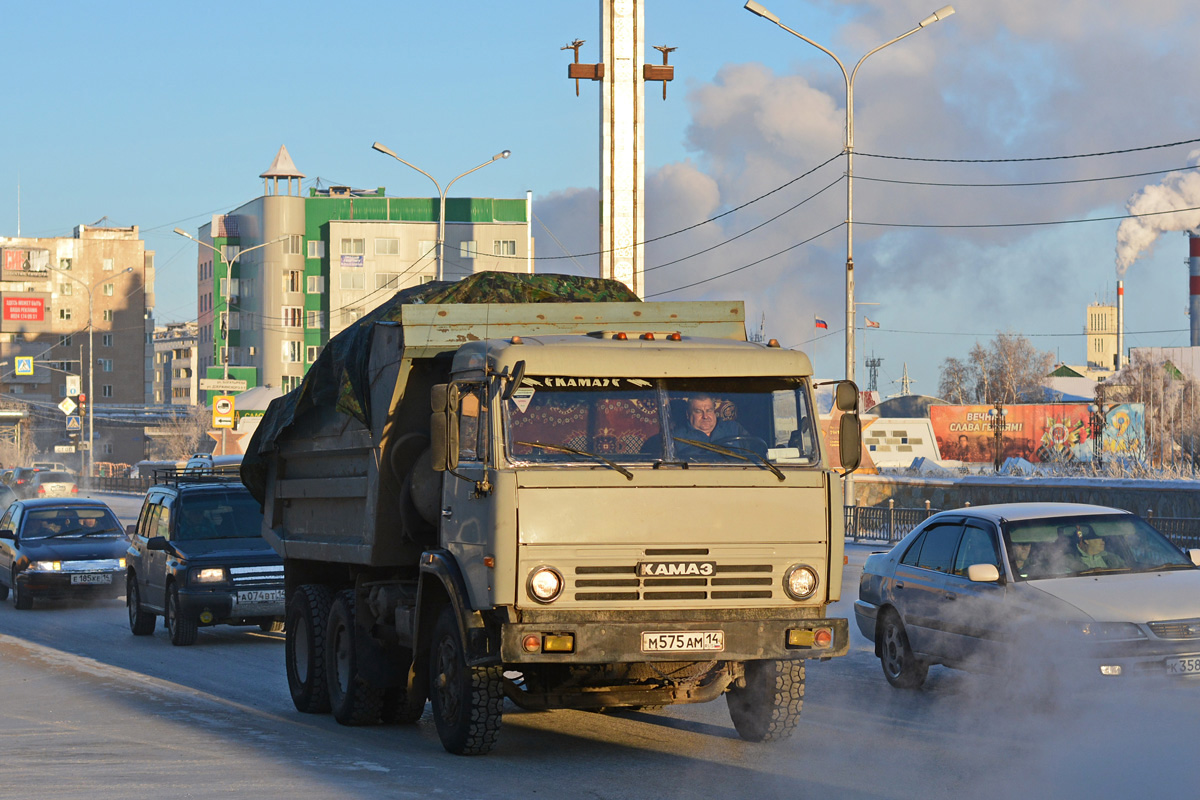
(998, 417)
(225, 296)
(940, 14)
(91, 395)
(441, 235)
(1099, 411)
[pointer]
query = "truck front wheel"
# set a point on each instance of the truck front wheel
(304, 647)
(467, 701)
(352, 700)
(767, 707)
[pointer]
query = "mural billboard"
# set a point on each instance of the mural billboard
(1049, 433)
(25, 260)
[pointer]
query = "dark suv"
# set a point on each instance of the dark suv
(197, 557)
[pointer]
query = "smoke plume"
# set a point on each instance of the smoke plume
(1178, 190)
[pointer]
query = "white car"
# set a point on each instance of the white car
(1086, 588)
(53, 484)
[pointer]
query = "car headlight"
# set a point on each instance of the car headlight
(1105, 631)
(47, 566)
(209, 575)
(800, 582)
(121, 563)
(545, 584)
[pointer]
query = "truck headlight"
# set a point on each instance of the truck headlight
(545, 584)
(800, 582)
(209, 575)
(47, 566)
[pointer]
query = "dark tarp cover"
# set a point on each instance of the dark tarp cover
(338, 377)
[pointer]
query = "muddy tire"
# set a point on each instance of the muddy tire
(182, 630)
(304, 647)
(352, 700)
(767, 707)
(467, 701)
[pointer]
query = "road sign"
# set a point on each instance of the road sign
(223, 411)
(64, 448)
(74, 422)
(67, 405)
(222, 385)
(24, 365)
(72, 385)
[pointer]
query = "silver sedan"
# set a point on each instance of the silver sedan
(1086, 588)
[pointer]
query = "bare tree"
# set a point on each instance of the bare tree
(186, 435)
(1009, 369)
(954, 383)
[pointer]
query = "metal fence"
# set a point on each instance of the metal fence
(109, 484)
(1182, 531)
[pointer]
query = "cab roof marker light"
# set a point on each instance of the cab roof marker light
(620, 336)
(516, 340)
(648, 336)
(773, 343)
(675, 337)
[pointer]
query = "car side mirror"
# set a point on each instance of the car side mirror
(10, 535)
(157, 543)
(131, 530)
(1192, 554)
(983, 573)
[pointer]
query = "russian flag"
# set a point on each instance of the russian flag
(821, 323)
(871, 323)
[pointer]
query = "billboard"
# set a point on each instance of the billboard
(17, 259)
(1054, 433)
(22, 312)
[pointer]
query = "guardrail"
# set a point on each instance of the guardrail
(110, 484)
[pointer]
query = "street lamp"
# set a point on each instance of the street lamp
(91, 404)
(940, 14)
(1099, 418)
(225, 296)
(998, 416)
(441, 235)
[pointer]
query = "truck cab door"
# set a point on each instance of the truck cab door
(467, 503)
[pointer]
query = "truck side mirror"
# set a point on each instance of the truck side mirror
(514, 380)
(849, 442)
(845, 396)
(443, 427)
(443, 396)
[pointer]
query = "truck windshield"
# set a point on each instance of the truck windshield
(707, 421)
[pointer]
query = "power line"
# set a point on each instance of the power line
(1028, 158)
(1027, 183)
(1023, 224)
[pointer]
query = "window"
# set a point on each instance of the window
(65, 288)
(106, 390)
(289, 382)
(230, 320)
(504, 247)
(937, 551)
(316, 284)
(65, 341)
(425, 249)
(108, 315)
(292, 316)
(314, 319)
(387, 247)
(230, 252)
(16, 388)
(293, 280)
(65, 264)
(105, 364)
(354, 247)
(316, 249)
(107, 340)
(293, 245)
(468, 250)
(108, 290)
(106, 448)
(387, 280)
(65, 313)
(312, 352)
(472, 422)
(183, 392)
(108, 265)
(977, 547)
(353, 279)
(235, 287)
(352, 315)
(291, 352)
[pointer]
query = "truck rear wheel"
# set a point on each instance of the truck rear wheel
(304, 647)
(352, 700)
(467, 701)
(767, 707)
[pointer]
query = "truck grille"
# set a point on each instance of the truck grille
(623, 583)
(1177, 629)
(256, 576)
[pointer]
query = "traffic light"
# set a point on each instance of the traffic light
(82, 399)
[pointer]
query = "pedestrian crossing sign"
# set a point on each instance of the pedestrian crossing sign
(24, 365)
(74, 423)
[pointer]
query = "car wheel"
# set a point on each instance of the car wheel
(140, 622)
(901, 668)
(765, 705)
(274, 626)
(467, 701)
(22, 599)
(3, 592)
(183, 631)
(304, 647)
(352, 700)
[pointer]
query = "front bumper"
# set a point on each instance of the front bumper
(63, 584)
(222, 605)
(619, 641)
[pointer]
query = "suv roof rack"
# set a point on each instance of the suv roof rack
(177, 475)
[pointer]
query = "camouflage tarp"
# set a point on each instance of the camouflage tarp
(339, 377)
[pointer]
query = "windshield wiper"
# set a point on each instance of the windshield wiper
(739, 454)
(564, 449)
(1097, 570)
(81, 532)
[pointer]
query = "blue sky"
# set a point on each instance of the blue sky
(159, 115)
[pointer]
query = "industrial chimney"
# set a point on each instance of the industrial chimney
(1120, 326)
(1194, 287)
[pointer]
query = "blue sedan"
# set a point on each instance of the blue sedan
(1088, 588)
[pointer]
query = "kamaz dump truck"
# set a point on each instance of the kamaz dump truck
(537, 488)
